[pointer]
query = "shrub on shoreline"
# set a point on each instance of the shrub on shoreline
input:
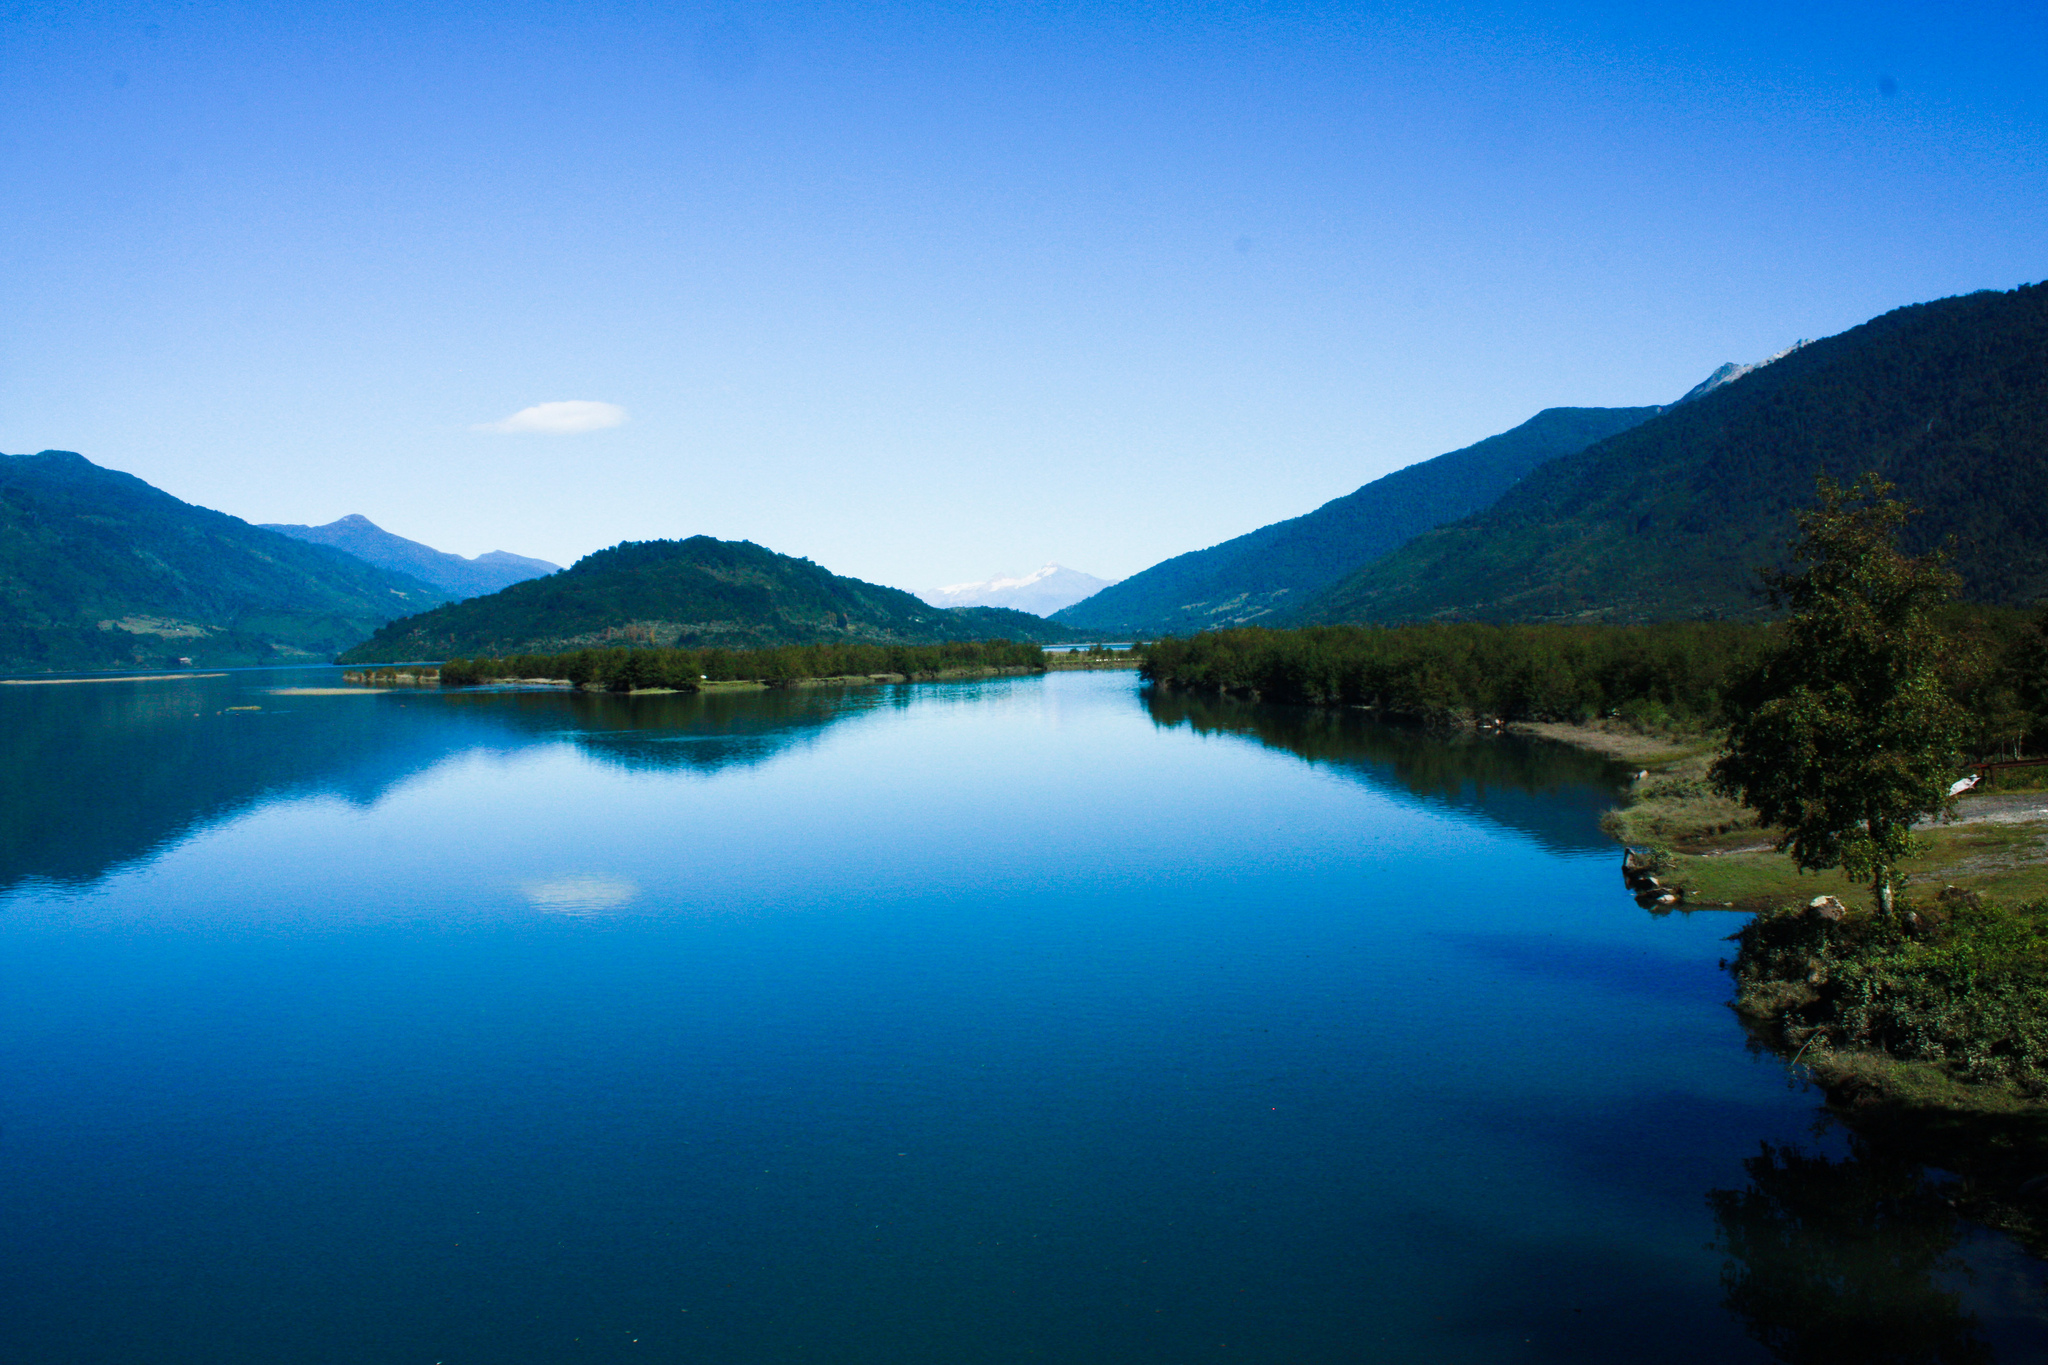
(1962, 984)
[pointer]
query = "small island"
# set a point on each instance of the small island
(637, 670)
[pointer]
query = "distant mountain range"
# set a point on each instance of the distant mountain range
(1041, 593)
(1613, 514)
(100, 570)
(452, 574)
(1671, 518)
(1268, 575)
(698, 592)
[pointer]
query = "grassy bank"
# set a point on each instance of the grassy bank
(1096, 656)
(1713, 849)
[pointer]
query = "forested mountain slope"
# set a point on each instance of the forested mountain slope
(697, 593)
(1267, 574)
(1670, 519)
(452, 574)
(100, 570)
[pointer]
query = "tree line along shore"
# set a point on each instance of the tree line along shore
(691, 670)
(688, 670)
(1666, 680)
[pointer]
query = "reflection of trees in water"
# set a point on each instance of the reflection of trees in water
(1552, 792)
(106, 774)
(1842, 1260)
(103, 774)
(711, 730)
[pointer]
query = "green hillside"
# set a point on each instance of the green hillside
(694, 593)
(1265, 575)
(1669, 520)
(100, 570)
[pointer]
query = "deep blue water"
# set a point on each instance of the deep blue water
(1029, 1020)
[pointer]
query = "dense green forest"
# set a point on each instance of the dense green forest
(100, 570)
(1948, 400)
(1428, 672)
(692, 594)
(1270, 571)
(622, 670)
(1675, 673)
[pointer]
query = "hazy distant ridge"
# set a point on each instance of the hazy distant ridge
(458, 577)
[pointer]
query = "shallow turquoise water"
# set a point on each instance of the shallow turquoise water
(1029, 1020)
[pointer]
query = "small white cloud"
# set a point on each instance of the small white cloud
(560, 419)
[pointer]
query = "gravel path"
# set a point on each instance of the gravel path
(2000, 808)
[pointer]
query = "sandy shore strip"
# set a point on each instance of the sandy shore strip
(326, 691)
(118, 677)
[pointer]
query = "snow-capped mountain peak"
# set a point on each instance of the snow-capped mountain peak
(1040, 592)
(1731, 372)
(1001, 584)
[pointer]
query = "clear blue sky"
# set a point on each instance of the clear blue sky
(925, 292)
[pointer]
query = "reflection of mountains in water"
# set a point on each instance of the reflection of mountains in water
(1549, 792)
(106, 774)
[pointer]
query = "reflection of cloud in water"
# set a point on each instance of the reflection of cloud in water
(581, 895)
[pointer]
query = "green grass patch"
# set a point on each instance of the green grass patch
(1716, 852)
(2006, 862)
(1755, 881)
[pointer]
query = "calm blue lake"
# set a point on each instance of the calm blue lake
(1030, 1020)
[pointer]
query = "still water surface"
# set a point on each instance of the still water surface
(1029, 1020)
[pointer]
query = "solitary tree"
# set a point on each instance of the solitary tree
(1844, 735)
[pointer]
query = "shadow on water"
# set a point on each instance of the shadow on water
(1871, 1258)
(108, 774)
(1551, 793)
